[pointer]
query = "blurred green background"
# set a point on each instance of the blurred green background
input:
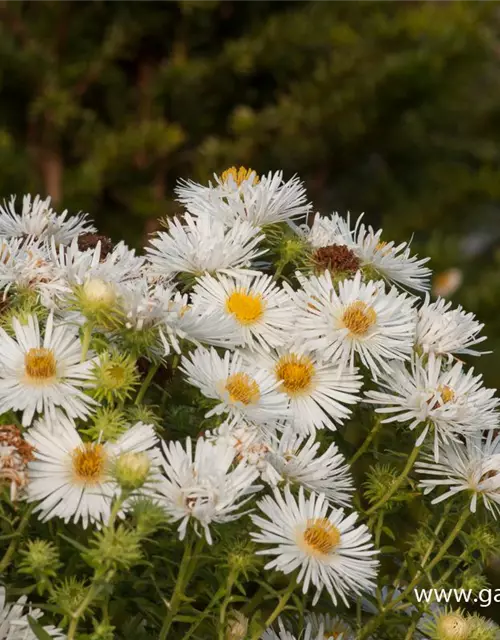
(392, 108)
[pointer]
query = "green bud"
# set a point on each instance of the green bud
(473, 582)
(41, 560)
(147, 516)
(381, 479)
(69, 595)
(131, 470)
(482, 628)
(114, 548)
(102, 631)
(143, 413)
(115, 377)
(109, 423)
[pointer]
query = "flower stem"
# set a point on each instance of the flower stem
(231, 579)
(11, 549)
(368, 440)
(146, 382)
(75, 618)
(216, 597)
(375, 622)
(185, 571)
(395, 486)
(285, 596)
(87, 335)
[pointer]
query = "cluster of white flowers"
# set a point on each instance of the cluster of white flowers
(280, 362)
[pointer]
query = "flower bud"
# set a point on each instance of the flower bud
(237, 626)
(452, 626)
(98, 294)
(131, 470)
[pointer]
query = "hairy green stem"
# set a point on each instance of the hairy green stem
(395, 486)
(231, 579)
(87, 335)
(11, 549)
(368, 440)
(146, 382)
(285, 596)
(216, 597)
(188, 565)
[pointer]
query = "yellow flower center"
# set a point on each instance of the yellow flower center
(40, 364)
(358, 318)
(242, 388)
(447, 394)
(246, 307)
(295, 372)
(383, 248)
(331, 634)
(89, 462)
(321, 536)
(238, 175)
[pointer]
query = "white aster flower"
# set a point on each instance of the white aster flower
(184, 321)
(259, 309)
(241, 391)
(250, 443)
(202, 486)
(242, 195)
(26, 265)
(297, 462)
(72, 479)
(393, 262)
(204, 244)
(281, 634)
(321, 543)
(328, 627)
(39, 375)
(445, 331)
(319, 393)
(472, 465)
(38, 220)
(14, 622)
(360, 319)
(449, 400)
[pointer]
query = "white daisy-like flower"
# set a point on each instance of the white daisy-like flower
(393, 262)
(362, 318)
(72, 479)
(328, 627)
(446, 331)
(281, 634)
(319, 393)
(241, 391)
(203, 486)
(39, 375)
(260, 310)
(14, 622)
(38, 220)
(449, 400)
(322, 544)
(26, 265)
(251, 444)
(471, 465)
(297, 462)
(242, 195)
(184, 321)
(204, 244)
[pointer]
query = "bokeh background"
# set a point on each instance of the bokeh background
(388, 108)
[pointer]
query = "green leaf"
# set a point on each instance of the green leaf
(74, 543)
(38, 630)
